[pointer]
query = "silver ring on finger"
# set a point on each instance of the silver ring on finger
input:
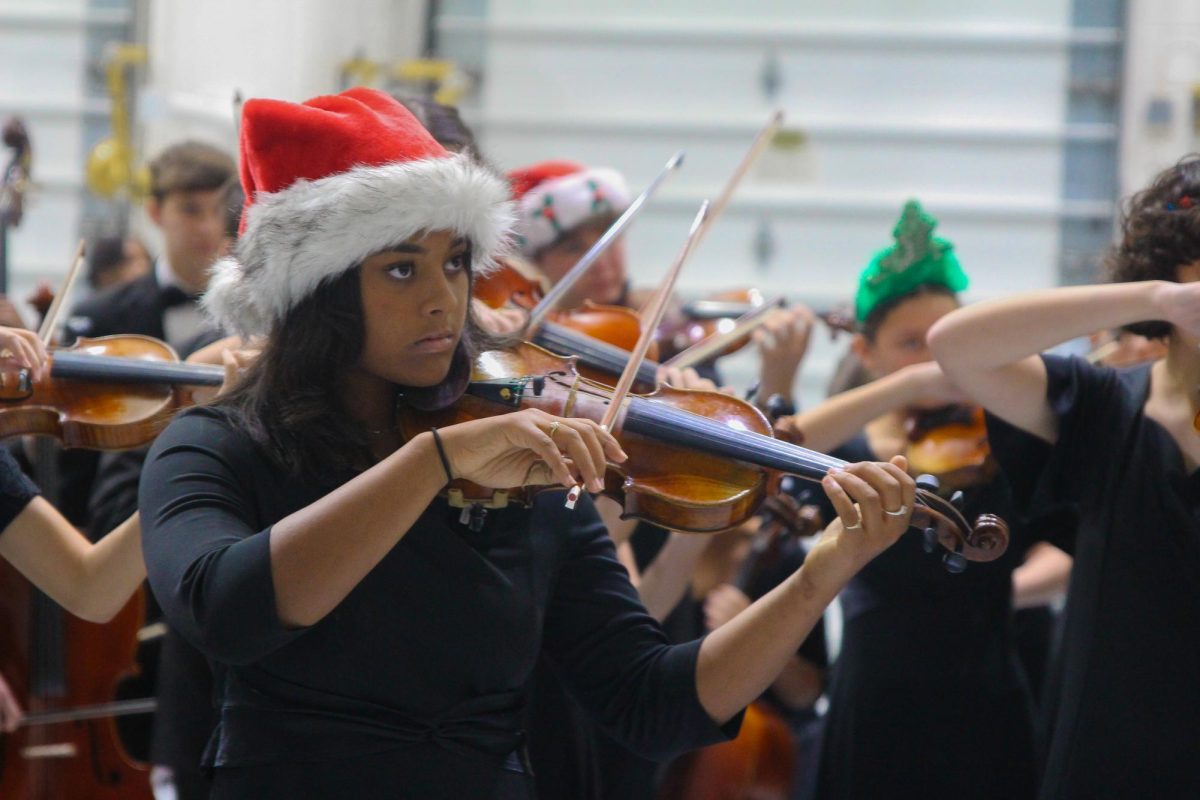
(855, 527)
(899, 512)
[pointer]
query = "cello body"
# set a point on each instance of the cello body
(54, 661)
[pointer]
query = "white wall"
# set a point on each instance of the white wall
(202, 52)
(1162, 62)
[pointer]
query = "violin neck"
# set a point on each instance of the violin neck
(665, 423)
(592, 352)
(81, 366)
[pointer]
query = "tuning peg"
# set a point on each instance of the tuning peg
(929, 483)
(958, 500)
(955, 563)
(930, 540)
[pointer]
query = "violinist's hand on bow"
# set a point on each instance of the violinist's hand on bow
(499, 321)
(10, 709)
(874, 502)
(530, 448)
(22, 349)
(688, 378)
(782, 343)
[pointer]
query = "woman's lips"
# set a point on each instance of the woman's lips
(438, 343)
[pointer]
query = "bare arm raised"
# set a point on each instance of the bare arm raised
(989, 350)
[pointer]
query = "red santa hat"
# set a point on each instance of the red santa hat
(553, 197)
(332, 181)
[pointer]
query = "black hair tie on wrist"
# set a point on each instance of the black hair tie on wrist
(437, 442)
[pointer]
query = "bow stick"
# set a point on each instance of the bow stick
(551, 298)
(657, 307)
(51, 318)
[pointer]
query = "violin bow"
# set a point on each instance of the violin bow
(51, 318)
(704, 350)
(658, 307)
(551, 298)
(757, 148)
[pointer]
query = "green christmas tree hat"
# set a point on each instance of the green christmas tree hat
(917, 258)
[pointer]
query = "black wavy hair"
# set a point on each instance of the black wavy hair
(1160, 232)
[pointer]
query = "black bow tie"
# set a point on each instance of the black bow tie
(171, 296)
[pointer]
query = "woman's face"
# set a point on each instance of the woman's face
(415, 300)
(603, 283)
(900, 339)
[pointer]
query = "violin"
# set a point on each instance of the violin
(110, 393)
(698, 461)
(950, 443)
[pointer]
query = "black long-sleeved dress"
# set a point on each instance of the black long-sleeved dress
(927, 698)
(1124, 701)
(414, 686)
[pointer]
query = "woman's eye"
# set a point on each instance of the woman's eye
(459, 262)
(400, 271)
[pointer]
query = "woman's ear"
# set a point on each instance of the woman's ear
(863, 351)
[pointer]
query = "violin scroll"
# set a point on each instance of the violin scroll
(945, 525)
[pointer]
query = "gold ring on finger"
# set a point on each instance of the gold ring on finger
(553, 428)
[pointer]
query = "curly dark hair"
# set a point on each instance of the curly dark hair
(1160, 232)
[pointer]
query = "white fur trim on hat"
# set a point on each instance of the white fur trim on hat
(554, 207)
(315, 230)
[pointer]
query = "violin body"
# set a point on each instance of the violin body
(670, 485)
(951, 444)
(94, 414)
(55, 661)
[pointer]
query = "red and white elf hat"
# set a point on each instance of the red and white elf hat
(333, 180)
(554, 197)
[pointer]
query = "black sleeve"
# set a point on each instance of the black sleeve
(207, 562)
(617, 661)
(16, 490)
(1091, 405)
(114, 495)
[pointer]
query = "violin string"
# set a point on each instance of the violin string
(600, 354)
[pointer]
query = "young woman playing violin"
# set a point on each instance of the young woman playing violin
(1125, 450)
(926, 695)
(92, 581)
(365, 641)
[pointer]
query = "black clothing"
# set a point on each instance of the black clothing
(1126, 708)
(927, 698)
(426, 664)
(16, 490)
(135, 306)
